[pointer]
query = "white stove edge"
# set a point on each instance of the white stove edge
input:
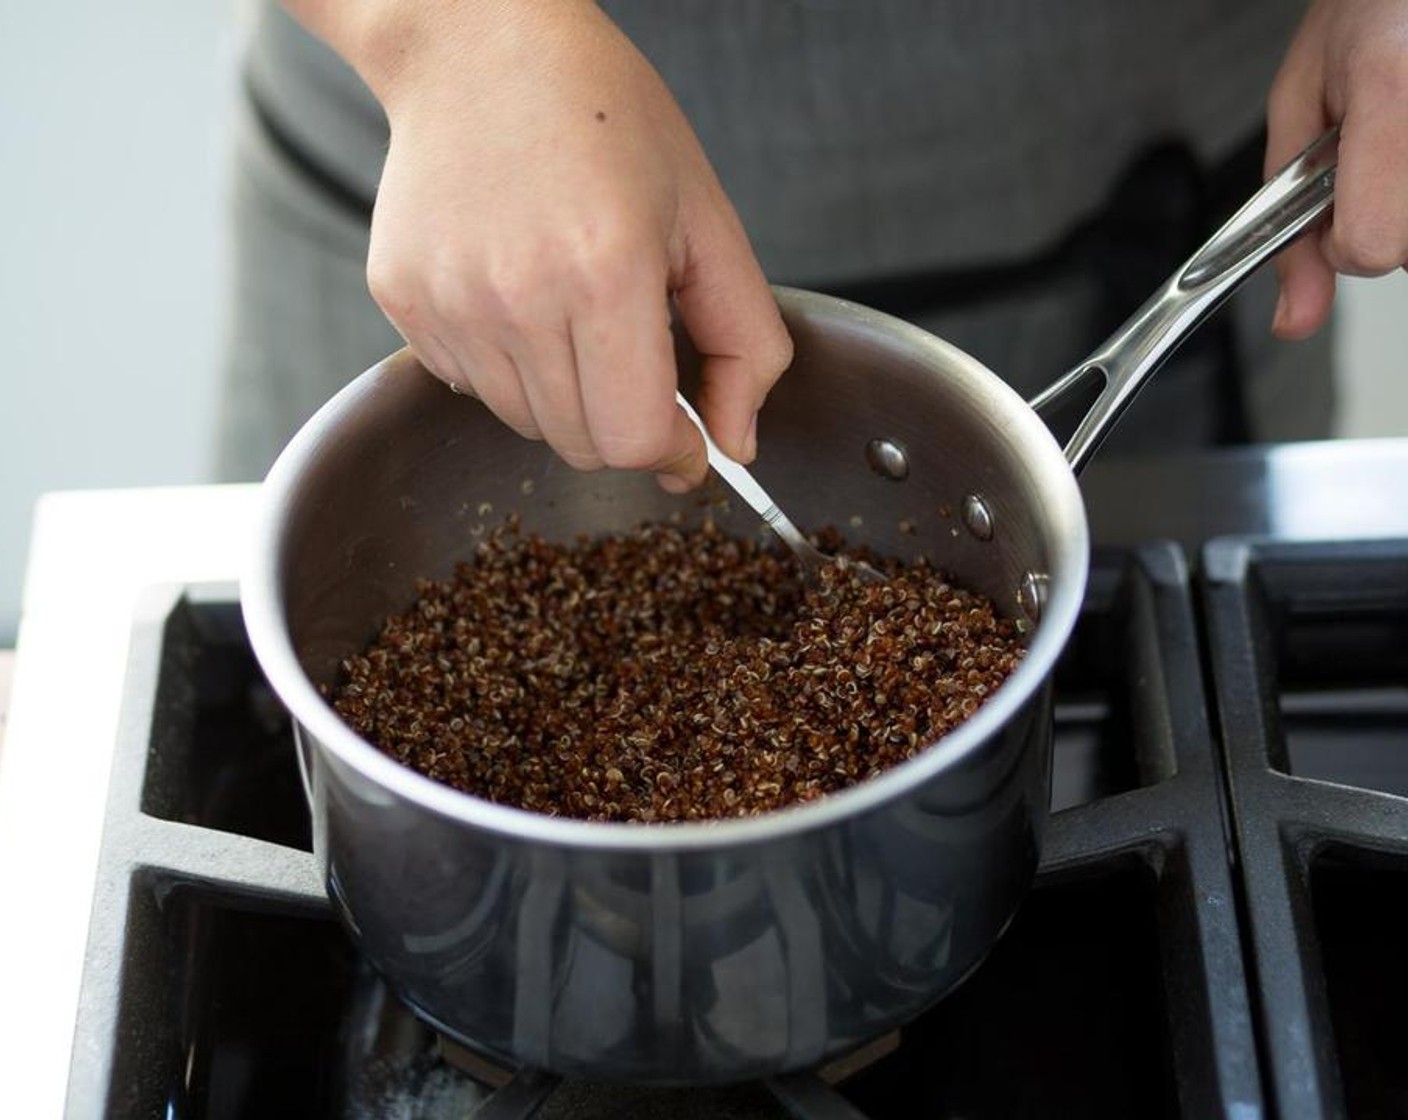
(92, 555)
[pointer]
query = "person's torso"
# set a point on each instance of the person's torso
(863, 138)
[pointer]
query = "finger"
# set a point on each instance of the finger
(1368, 235)
(433, 355)
(626, 366)
(424, 323)
(476, 370)
(547, 371)
(733, 321)
(1295, 105)
(1296, 116)
(490, 375)
(415, 329)
(1307, 289)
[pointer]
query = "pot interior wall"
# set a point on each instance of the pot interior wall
(400, 478)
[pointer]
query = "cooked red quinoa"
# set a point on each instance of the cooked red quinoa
(669, 674)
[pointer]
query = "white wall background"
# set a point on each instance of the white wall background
(1372, 353)
(112, 131)
(111, 179)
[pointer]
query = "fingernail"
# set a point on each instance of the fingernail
(673, 483)
(750, 441)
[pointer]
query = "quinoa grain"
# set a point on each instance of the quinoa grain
(669, 674)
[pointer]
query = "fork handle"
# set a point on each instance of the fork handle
(745, 485)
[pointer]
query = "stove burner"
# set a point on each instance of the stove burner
(1309, 652)
(218, 985)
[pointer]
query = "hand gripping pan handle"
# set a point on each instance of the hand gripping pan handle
(1274, 217)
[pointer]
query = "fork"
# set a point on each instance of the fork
(811, 558)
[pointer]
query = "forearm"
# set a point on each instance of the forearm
(391, 42)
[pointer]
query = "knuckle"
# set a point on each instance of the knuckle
(587, 264)
(514, 287)
(392, 288)
(578, 460)
(777, 354)
(604, 253)
(1365, 245)
(522, 293)
(450, 289)
(1380, 69)
(637, 452)
(524, 427)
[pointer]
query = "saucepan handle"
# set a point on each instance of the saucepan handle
(1277, 214)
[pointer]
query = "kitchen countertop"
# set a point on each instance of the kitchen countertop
(91, 556)
(94, 553)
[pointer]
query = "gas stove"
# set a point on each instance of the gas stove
(1215, 928)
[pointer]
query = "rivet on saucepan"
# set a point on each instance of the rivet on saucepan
(1031, 595)
(887, 458)
(977, 517)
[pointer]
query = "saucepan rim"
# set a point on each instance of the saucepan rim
(1014, 421)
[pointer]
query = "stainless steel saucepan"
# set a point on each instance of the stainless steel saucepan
(721, 951)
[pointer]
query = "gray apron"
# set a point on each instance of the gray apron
(1015, 175)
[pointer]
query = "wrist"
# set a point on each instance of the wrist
(391, 44)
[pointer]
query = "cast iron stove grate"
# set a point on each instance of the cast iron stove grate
(1309, 650)
(217, 984)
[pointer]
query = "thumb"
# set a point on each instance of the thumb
(731, 317)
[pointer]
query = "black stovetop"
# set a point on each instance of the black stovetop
(1216, 930)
